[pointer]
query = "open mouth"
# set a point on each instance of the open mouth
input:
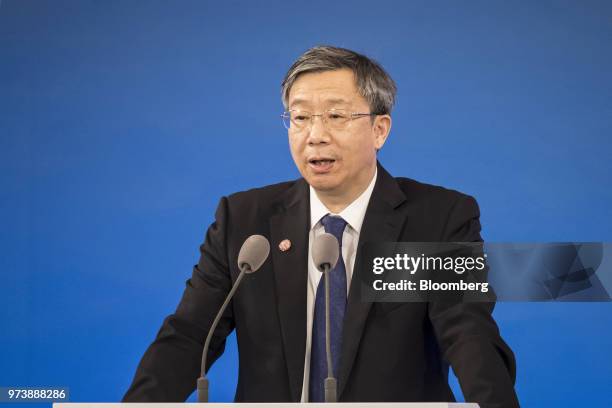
(321, 162)
(321, 165)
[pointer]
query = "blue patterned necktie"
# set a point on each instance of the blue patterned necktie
(337, 307)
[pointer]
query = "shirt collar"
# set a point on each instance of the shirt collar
(353, 214)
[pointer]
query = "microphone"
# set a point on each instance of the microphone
(252, 255)
(325, 254)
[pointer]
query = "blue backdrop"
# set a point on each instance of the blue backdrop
(123, 122)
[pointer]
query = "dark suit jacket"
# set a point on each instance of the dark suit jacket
(390, 351)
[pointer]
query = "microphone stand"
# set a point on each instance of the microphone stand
(203, 380)
(330, 384)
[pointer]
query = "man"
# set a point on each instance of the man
(338, 105)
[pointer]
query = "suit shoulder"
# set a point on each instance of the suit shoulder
(417, 190)
(263, 198)
(452, 212)
(264, 192)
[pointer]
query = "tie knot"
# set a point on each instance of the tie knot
(335, 226)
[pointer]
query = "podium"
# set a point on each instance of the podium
(266, 404)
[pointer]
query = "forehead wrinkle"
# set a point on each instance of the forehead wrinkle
(322, 101)
(299, 101)
(337, 101)
(324, 90)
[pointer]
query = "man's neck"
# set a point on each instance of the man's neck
(334, 204)
(337, 202)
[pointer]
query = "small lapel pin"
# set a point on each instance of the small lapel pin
(284, 245)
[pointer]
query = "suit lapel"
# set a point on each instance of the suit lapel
(292, 222)
(382, 223)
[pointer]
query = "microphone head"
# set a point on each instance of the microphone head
(325, 251)
(253, 253)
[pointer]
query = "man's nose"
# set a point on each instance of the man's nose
(318, 131)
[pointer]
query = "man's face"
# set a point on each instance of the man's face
(337, 163)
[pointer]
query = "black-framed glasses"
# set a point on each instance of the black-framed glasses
(336, 119)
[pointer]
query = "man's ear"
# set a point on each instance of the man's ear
(381, 128)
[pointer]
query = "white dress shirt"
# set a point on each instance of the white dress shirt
(353, 215)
